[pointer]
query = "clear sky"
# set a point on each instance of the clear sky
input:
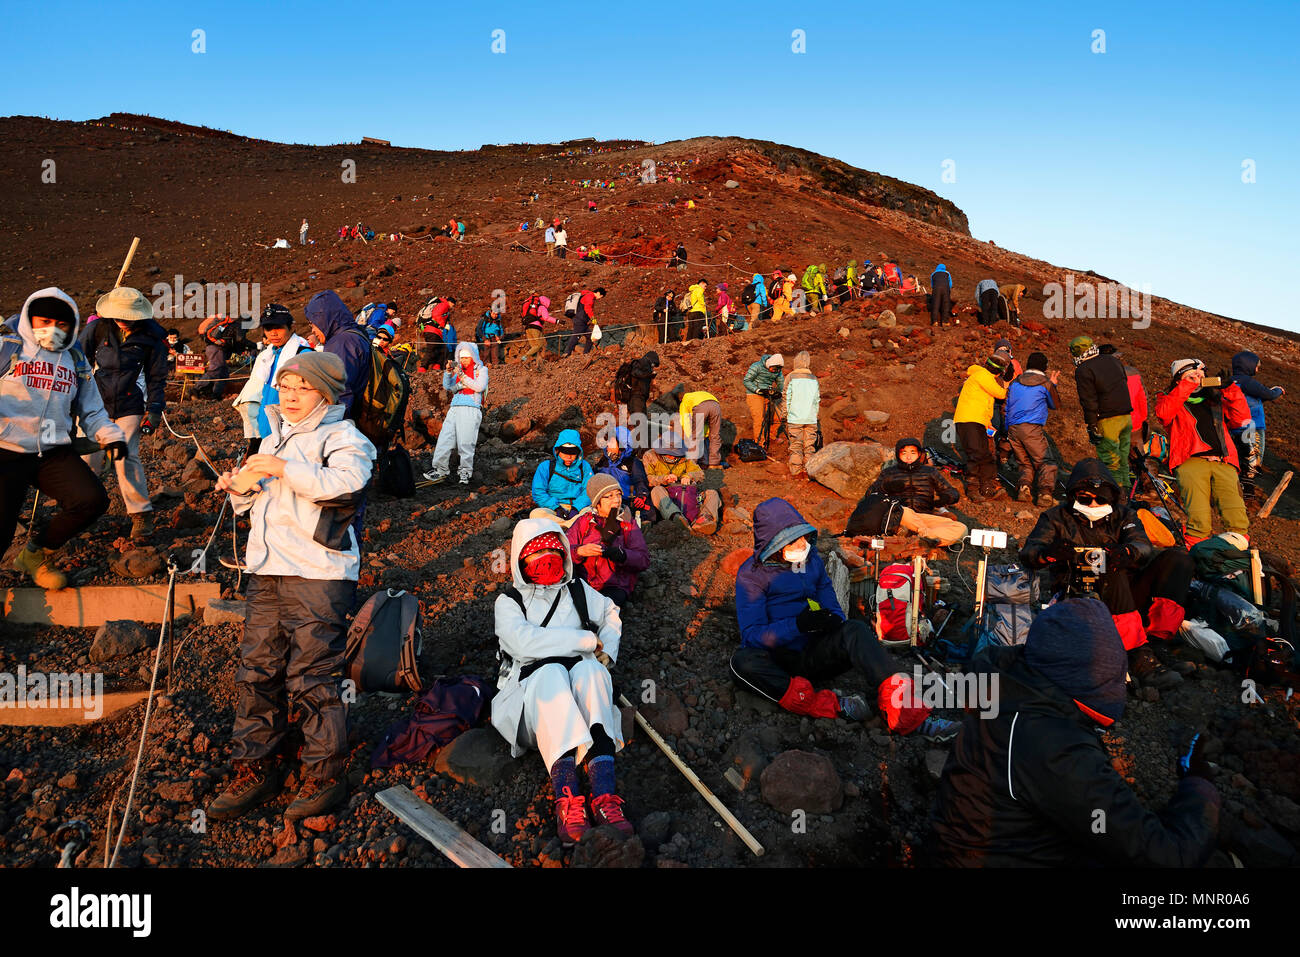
(1128, 161)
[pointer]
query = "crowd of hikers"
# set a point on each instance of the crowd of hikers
(319, 429)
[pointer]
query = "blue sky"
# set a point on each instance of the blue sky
(1128, 162)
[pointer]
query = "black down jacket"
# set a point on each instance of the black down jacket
(920, 487)
(1103, 388)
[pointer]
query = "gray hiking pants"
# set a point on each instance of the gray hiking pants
(1029, 442)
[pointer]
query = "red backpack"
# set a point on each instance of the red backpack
(895, 593)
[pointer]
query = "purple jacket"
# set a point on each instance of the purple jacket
(601, 572)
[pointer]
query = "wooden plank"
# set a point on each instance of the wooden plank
(443, 833)
(92, 605)
(1277, 494)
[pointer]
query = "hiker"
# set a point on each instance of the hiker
(920, 490)
(641, 378)
(940, 296)
(126, 347)
(460, 231)
(560, 482)
(801, 399)
(302, 233)
(1138, 582)
(536, 312)
(724, 311)
(678, 260)
(986, 297)
(583, 319)
(667, 319)
(889, 269)
(788, 292)
(619, 460)
(1030, 397)
(793, 632)
(823, 302)
(439, 336)
(488, 335)
(1025, 787)
(561, 242)
(1012, 293)
(335, 329)
(701, 415)
(46, 388)
(973, 418)
(1001, 442)
(765, 383)
(466, 378)
(1249, 440)
(808, 283)
(550, 240)
(851, 278)
(675, 488)
(1107, 406)
(554, 692)
(754, 298)
(216, 373)
(609, 552)
(176, 346)
(698, 312)
(303, 559)
(280, 343)
(1140, 428)
(1202, 455)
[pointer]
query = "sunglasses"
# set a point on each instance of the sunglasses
(1088, 498)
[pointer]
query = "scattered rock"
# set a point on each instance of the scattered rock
(654, 828)
(220, 612)
(847, 468)
(605, 847)
(117, 639)
(934, 762)
(137, 563)
(887, 318)
(480, 757)
(801, 780)
(667, 714)
(876, 417)
(731, 184)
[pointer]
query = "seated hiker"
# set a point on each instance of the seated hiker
(1143, 587)
(555, 693)
(792, 632)
(674, 488)
(303, 560)
(619, 461)
(1024, 787)
(560, 483)
(919, 489)
(609, 553)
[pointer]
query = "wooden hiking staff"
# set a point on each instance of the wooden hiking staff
(1277, 494)
(127, 265)
(690, 775)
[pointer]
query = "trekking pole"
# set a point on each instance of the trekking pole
(980, 576)
(699, 785)
(127, 264)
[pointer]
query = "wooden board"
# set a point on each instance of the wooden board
(443, 833)
(92, 605)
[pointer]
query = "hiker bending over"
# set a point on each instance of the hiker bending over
(765, 382)
(609, 551)
(554, 692)
(919, 490)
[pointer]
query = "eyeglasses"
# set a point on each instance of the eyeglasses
(286, 390)
(1088, 498)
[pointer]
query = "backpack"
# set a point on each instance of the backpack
(876, 514)
(1010, 595)
(450, 707)
(532, 308)
(895, 593)
(747, 450)
(749, 296)
(571, 304)
(384, 640)
(1157, 528)
(1219, 563)
(380, 409)
(426, 313)
(368, 310)
(393, 473)
(623, 383)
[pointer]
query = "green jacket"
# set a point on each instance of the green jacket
(760, 377)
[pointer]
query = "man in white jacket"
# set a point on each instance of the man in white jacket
(466, 379)
(555, 693)
(279, 344)
(46, 381)
(303, 561)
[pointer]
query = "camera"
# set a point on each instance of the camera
(988, 538)
(1212, 382)
(1090, 560)
(878, 544)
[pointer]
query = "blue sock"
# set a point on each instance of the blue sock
(564, 774)
(600, 772)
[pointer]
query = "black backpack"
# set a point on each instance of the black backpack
(379, 410)
(384, 640)
(393, 472)
(747, 450)
(623, 382)
(876, 514)
(749, 296)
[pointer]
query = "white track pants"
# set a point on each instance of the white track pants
(459, 431)
(561, 706)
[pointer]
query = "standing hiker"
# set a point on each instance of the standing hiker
(940, 296)
(582, 320)
(1107, 406)
(974, 420)
(697, 314)
(466, 378)
(561, 242)
(536, 313)
(1249, 439)
(802, 402)
(764, 382)
(1029, 400)
(302, 232)
(280, 343)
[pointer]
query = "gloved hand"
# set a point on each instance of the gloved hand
(150, 422)
(1094, 433)
(115, 451)
(816, 621)
(615, 554)
(640, 504)
(1118, 557)
(1193, 762)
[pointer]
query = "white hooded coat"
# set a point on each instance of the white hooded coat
(553, 709)
(43, 390)
(249, 400)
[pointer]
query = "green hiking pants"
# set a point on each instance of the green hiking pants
(1205, 487)
(1113, 446)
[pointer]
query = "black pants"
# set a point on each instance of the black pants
(988, 307)
(617, 595)
(562, 252)
(940, 307)
(695, 325)
(293, 647)
(981, 473)
(60, 475)
(767, 671)
(434, 353)
(581, 333)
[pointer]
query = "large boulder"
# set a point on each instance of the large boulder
(847, 468)
(802, 781)
(479, 756)
(117, 639)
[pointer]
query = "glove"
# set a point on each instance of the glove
(149, 422)
(116, 451)
(640, 504)
(1193, 763)
(615, 554)
(816, 621)
(1118, 557)
(1094, 433)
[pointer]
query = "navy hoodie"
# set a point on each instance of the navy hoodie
(345, 339)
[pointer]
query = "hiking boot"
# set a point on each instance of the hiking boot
(316, 796)
(974, 496)
(256, 782)
(436, 478)
(1025, 494)
(141, 526)
(1150, 673)
(608, 809)
(705, 526)
(938, 730)
(853, 707)
(464, 480)
(571, 817)
(1045, 500)
(35, 563)
(997, 495)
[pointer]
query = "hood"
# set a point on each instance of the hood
(1075, 645)
(1245, 363)
(803, 362)
(25, 319)
(567, 437)
(1092, 472)
(758, 278)
(525, 532)
(904, 443)
(468, 347)
(1032, 377)
(776, 524)
(327, 312)
(941, 268)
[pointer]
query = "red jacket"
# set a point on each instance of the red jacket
(1138, 396)
(599, 572)
(588, 303)
(1172, 411)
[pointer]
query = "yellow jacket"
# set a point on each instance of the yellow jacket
(689, 401)
(698, 303)
(975, 404)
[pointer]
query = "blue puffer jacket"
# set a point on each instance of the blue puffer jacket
(555, 483)
(345, 339)
(1244, 367)
(760, 290)
(770, 594)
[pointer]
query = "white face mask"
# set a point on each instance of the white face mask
(50, 337)
(796, 553)
(1093, 513)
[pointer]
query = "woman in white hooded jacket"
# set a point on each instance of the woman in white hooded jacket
(555, 692)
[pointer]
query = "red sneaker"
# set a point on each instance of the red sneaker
(607, 809)
(571, 817)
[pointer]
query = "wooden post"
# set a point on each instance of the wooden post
(980, 576)
(127, 264)
(1277, 494)
(1256, 576)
